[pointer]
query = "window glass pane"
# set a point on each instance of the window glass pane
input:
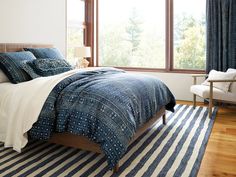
(189, 34)
(75, 19)
(132, 33)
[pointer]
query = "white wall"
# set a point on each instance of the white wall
(178, 83)
(33, 21)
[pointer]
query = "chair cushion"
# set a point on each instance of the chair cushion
(232, 87)
(204, 92)
(218, 75)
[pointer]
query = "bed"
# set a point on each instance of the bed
(71, 138)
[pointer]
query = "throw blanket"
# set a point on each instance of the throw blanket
(105, 105)
(20, 106)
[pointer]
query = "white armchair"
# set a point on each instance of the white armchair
(212, 93)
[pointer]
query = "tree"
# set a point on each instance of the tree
(133, 30)
(190, 44)
(113, 49)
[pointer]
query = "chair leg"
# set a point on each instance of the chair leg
(210, 100)
(164, 119)
(210, 109)
(194, 101)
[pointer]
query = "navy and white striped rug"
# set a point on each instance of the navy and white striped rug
(175, 149)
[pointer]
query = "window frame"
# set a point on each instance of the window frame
(92, 39)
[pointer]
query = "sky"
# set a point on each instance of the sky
(118, 10)
(194, 7)
(115, 11)
(75, 10)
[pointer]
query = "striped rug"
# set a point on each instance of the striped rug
(175, 149)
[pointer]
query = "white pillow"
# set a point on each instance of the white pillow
(232, 87)
(217, 75)
(3, 77)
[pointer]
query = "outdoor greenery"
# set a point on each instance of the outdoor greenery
(134, 30)
(190, 43)
(133, 44)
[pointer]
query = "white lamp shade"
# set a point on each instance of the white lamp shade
(84, 52)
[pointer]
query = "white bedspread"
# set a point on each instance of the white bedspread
(20, 106)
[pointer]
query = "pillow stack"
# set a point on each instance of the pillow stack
(218, 75)
(18, 67)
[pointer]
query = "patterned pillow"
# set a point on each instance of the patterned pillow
(46, 67)
(29, 70)
(10, 64)
(52, 53)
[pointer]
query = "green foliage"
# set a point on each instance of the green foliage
(113, 49)
(189, 44)
(128, 45)
(116, 50)
(133, 30)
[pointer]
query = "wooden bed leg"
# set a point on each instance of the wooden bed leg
(116, 168)
(164, 119)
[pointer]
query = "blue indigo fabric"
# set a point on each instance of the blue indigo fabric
(105, 105)
(11, 63)
(46, 67)
(221, 35)
(53, 53)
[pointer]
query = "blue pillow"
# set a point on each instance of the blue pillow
(10, 64)
(46, 67)
(52, 53)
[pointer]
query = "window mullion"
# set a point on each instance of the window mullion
(169, 35)
(89, 30)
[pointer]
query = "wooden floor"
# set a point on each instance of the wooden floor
(220, 156)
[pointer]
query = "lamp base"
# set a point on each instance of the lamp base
(82, 63)
(85, 63)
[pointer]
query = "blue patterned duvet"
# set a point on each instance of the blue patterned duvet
(105, 105)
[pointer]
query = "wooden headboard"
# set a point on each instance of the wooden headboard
(16, 47)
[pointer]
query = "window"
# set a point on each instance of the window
(164, 35)
(189, 34)
(75, 26)
(129, 36)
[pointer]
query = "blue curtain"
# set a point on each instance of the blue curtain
(221, 34)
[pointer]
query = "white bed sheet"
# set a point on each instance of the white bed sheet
(20, 106)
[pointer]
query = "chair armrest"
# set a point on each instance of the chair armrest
(199, 75)
(223, 80)
(195, 76)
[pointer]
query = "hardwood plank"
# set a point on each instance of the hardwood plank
(220, 155)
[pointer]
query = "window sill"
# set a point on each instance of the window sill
(184, 71)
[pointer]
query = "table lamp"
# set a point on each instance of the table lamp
(82, 52)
